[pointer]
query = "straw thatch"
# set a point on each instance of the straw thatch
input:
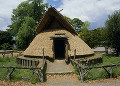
(54, 25)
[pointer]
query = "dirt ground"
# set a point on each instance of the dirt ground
(65, 80)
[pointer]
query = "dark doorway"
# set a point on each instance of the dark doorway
(59, 49)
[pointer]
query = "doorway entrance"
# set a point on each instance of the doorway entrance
(59, 48)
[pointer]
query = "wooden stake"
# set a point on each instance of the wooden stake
(43, 54)
(74, 53)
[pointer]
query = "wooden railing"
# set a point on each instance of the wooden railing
(39, 71)
(83, 70)
(5, 52)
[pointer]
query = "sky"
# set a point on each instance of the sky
(94, 11)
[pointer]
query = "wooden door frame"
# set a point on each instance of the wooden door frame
(66, 49)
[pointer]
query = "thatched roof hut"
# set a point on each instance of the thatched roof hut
(58, 38)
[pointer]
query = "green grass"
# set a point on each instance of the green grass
(18, 74)
(109, 59)
(100, 73)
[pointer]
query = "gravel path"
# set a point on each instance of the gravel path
(72, 80)
(58, 66)
(65, 80)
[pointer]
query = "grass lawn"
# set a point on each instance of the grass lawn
(100, 72)
(18, 74)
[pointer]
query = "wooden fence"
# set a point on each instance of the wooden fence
(83, 70)
(39, 71)
(26, 64)
(5, 52)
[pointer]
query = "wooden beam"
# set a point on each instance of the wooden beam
(19, 67)
(74, 53)
(9, 73)
(43, 54)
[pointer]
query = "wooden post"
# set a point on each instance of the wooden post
(43, 54)
(30, 62)
(70, 57)
(34, 64)
(82, 75)
(42, 76)
(9, 73)
(109, 73)
(74, 53)
(66, 52)
(3, 55)
(22, 61)
(26, 62)
(11, 53)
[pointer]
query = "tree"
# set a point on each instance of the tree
(113, 28)
(38, 9)
(87, 35)
(30, 8)
(24, 20)
(69, 19)
(5, 46)
(26, 33)
(5, 37)
(77, 24)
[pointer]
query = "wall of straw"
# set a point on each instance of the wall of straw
(43, 40)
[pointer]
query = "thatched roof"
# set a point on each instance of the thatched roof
(48, 17)
(53, 25)
(43, 40)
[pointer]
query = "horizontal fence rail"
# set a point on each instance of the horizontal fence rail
(19, 67)
(83, 70)
(5, 52)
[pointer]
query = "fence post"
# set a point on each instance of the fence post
(43, 54)
(82, 75)
(9, 73)
(74, 53)
(70, 58)
(111, 72)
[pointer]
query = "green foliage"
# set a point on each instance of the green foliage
(85, 26)
(29, 8)
(69, 19)
(24, 20)
(93, 38)
(5, 46)
(76, 69)
(26, 33)
(37, 10)
(86, 35)
(96, 74)
(77, 24)
(113, 27)
(5, 37)
(101, 36)
(96, 37)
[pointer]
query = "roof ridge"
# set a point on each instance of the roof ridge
(53, 11)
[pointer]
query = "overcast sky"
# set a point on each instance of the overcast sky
(94, 11)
